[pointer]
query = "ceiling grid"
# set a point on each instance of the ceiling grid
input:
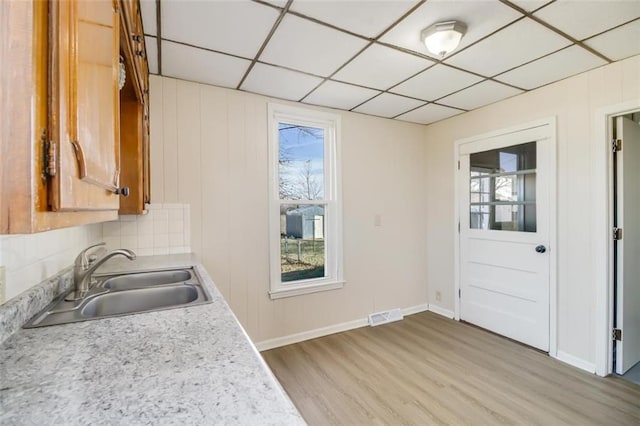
(366, 55)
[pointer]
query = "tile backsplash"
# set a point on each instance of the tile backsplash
(166, 229)
(31, 258)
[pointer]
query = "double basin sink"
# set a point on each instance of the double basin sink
(125, 294)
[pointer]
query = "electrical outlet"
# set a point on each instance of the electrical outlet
(438, 296)
(3, 284)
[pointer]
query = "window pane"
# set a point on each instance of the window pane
(300, 162)
(504, 160)
(502, 189)
(302, 242)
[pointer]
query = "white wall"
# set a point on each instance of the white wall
(29, 259)
(209, 149)
(574, 102)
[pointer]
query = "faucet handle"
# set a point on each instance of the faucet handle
(82, 260)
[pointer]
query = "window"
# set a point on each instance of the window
(305, 208)
(503, 189)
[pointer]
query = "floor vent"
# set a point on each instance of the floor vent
(385, 317)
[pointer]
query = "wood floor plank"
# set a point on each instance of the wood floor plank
(428, 369)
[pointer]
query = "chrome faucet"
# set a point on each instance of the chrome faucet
(85, 265)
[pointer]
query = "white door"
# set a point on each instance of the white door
(504, 197)
(628, 248)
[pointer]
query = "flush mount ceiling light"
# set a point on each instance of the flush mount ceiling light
(443, 37)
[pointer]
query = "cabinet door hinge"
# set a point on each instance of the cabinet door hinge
(616, 334)
(459, 293)
(617, 234)
(458, 227)
(616, 145)
(458, 165)
(49, 156)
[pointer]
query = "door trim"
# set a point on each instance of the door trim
(553, 291)
(602, 224)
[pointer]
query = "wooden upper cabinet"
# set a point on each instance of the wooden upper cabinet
(57, 83)
(65, 124)
(134, 111)
(85, 104)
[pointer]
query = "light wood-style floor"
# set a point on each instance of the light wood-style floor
(428, 369)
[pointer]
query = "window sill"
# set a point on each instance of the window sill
(305, 289)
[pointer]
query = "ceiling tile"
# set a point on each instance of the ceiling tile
(339, 95)
(152, 53)
(366, 17)
(436, 82)
(279, 3)
(388, 105)
(619, 43)
(279, 82)
(306, 46)
(381, 67)
(518, 43)
(479, 95)
(148, 11)
(481, 17)
(570, 61)
(429, 114)
(202, 66)
(531, 5)
(236, 27)
(582, 19)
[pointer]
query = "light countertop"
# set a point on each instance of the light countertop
(191, 365)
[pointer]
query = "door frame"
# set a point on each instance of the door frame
(602, 228)
(458, 183)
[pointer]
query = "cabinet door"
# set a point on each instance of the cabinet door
(85, 104)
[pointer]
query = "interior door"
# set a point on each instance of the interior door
(504, 234)
(628, 248)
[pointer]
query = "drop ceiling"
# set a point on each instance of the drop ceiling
(366, 55)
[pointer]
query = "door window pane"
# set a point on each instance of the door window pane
(300, 162)
(503, 189)
(302, 242)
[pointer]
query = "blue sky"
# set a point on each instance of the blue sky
(299, 144)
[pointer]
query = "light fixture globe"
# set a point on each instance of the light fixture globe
(443, 37)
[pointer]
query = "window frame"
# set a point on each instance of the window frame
(278, 113)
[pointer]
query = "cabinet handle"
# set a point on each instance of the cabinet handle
(124, 191)
(82, 164)
(140, 53)
(137, 38)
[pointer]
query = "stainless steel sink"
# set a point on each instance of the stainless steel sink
(146, 279)
(139, 300)
(125, 294)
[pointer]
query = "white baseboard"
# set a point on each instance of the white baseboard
(441, 311)
(325, 331)
(576, 362)
(415, 309)
(311, 334)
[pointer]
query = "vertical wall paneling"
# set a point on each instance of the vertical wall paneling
(574, 160)
(238, 206)
(156, 140)
(232, 145)
(189, 160)
(257, 246)
(215, 188)
(630, 82)
(169, 140)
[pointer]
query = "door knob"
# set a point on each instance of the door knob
(541, 249)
